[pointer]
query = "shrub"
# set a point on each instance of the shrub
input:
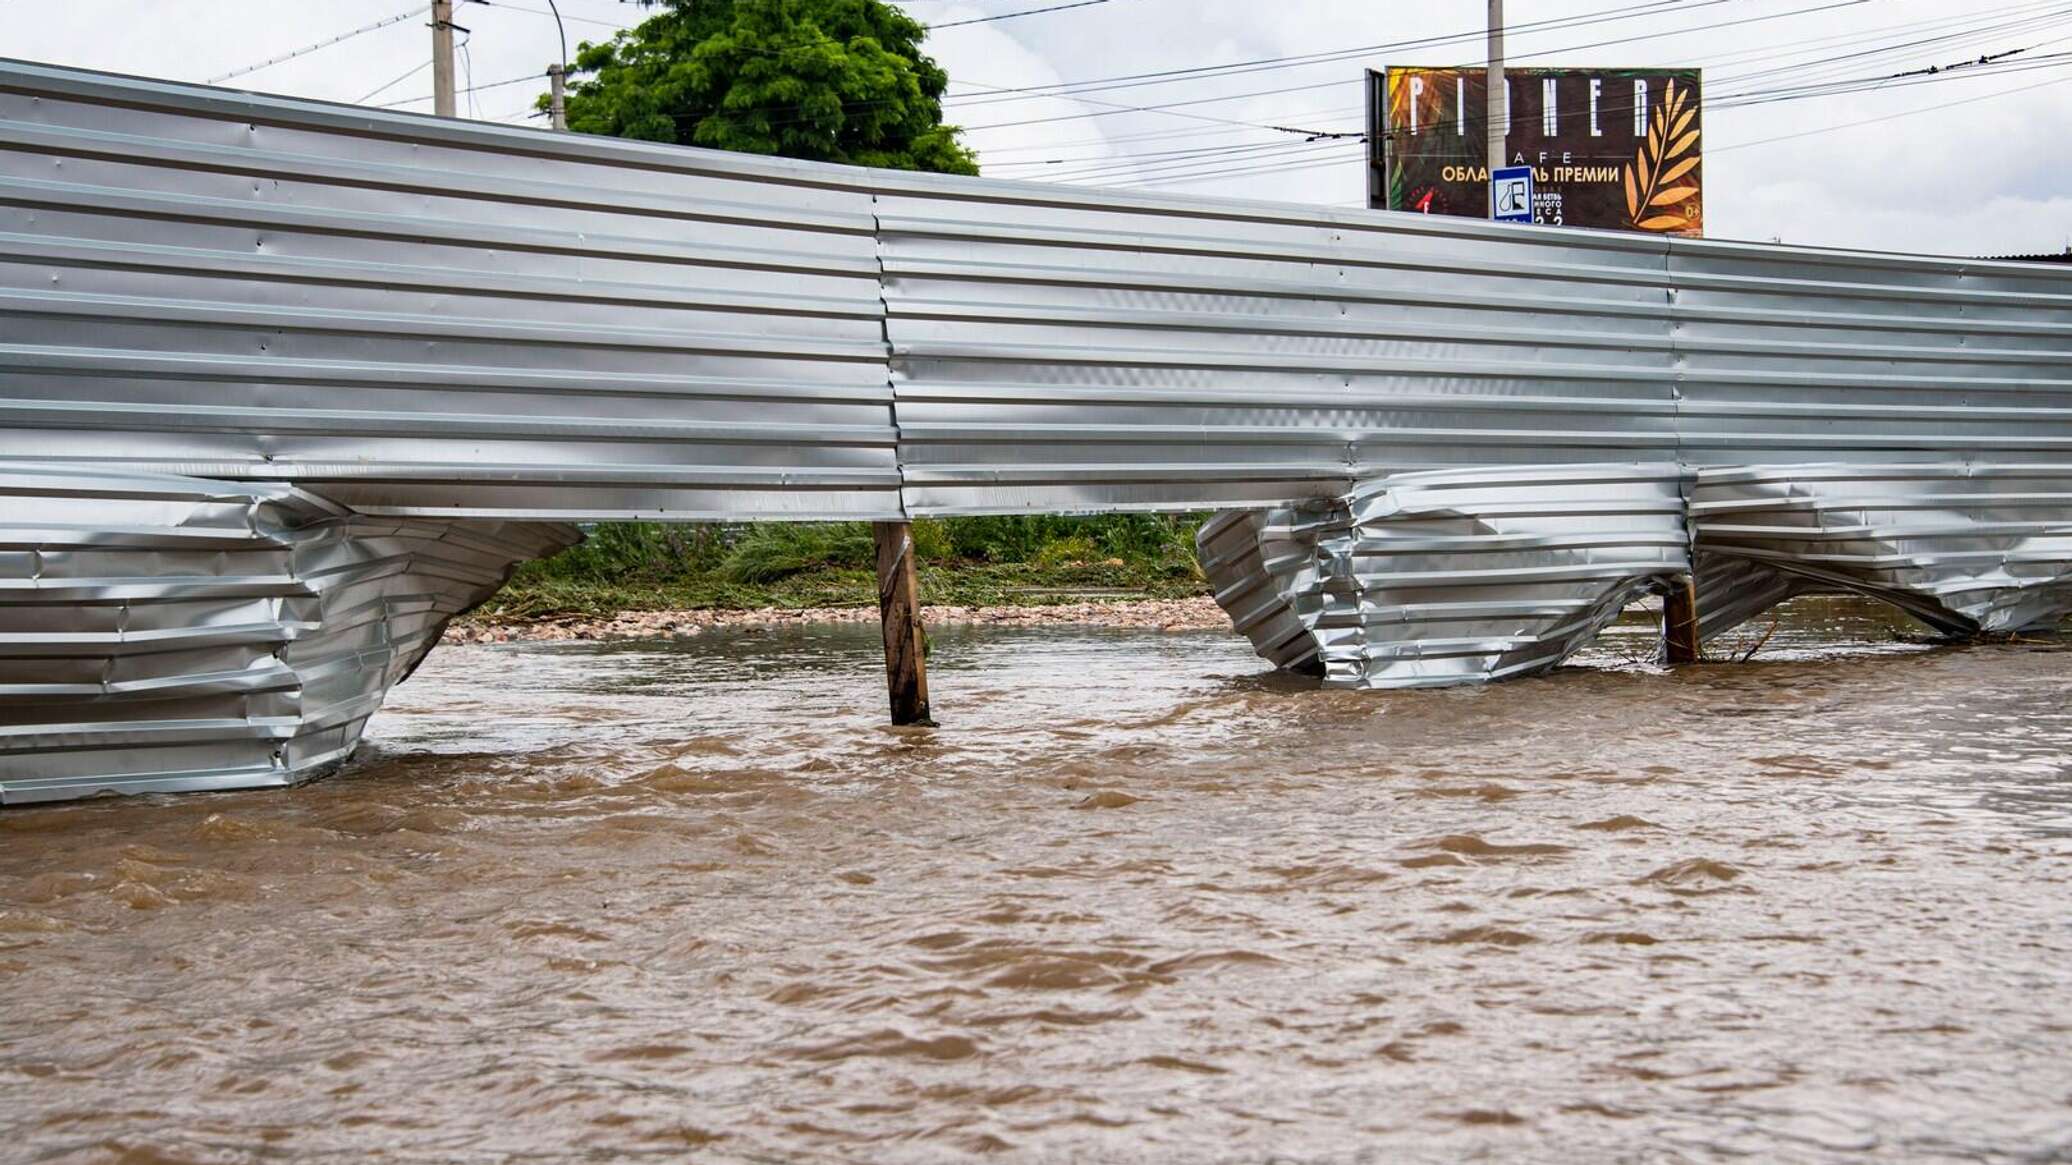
(1077, 548)
(768, 551)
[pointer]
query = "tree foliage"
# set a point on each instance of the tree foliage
(825, 80)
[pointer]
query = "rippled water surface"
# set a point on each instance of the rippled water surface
(1137, 899)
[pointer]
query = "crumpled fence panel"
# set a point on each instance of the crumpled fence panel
(1731, 590)
(1465, 576)
(169, 633)
(1449, 576)
(1964, 548)
(1265, 572)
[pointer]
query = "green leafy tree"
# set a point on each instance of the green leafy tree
(824, 80)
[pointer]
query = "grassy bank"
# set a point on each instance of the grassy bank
(1034, 560)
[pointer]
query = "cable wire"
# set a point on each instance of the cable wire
(1823, 7)
(415, 69)
(322, 44)
(2052, 12)
(1888, 117)
(1260, 64)
(1012, 15)
(1249, 154)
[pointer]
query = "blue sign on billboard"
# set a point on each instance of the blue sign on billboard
(1510, 194)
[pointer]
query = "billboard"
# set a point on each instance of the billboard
(1613, 148)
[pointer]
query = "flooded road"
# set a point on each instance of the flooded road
(1137, 900)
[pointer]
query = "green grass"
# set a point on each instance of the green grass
(1031, 560)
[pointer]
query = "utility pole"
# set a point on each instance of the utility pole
(1499, 105)
(442, 57)
(557, 76)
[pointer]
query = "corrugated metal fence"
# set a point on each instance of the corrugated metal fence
(416, 316)
(1462, 446)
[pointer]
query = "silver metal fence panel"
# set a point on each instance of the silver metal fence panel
(417, 316)
(1895, 426)
(413, 315)
(1065, 350)
(1801, 356)
(161, 633)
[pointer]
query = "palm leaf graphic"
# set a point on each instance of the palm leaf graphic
(1662, 159)
(1680, 169)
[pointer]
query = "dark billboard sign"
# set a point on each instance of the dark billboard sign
(1612, 148)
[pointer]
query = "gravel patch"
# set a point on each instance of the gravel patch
(1194, 614)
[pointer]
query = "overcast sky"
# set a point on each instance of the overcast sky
(1972, 163)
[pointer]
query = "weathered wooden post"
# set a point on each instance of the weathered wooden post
(1679, 621)
(899, 607)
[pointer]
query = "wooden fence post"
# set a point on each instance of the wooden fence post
(1680, 622)
(899, 608)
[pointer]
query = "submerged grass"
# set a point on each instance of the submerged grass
(1024, 560)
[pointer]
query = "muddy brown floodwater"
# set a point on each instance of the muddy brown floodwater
(1137, 900)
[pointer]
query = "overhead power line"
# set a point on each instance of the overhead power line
(1646, 7)
(1187, 179)
(1888, 117)
(995, 94)
(304, 51)
(505, 4)
(616, 26)
(415, 69)
(1947, 33)
(1173, 108)
(1720, 95)
(1012, 15)
(1216, 158)
(1275, 168)
(539, 78)
(1610, 108)
(1306, 117)
(1260, 152)
(1831, 4)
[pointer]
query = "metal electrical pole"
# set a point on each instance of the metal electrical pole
(1499, 105)
(557, 76)
(442, 57)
